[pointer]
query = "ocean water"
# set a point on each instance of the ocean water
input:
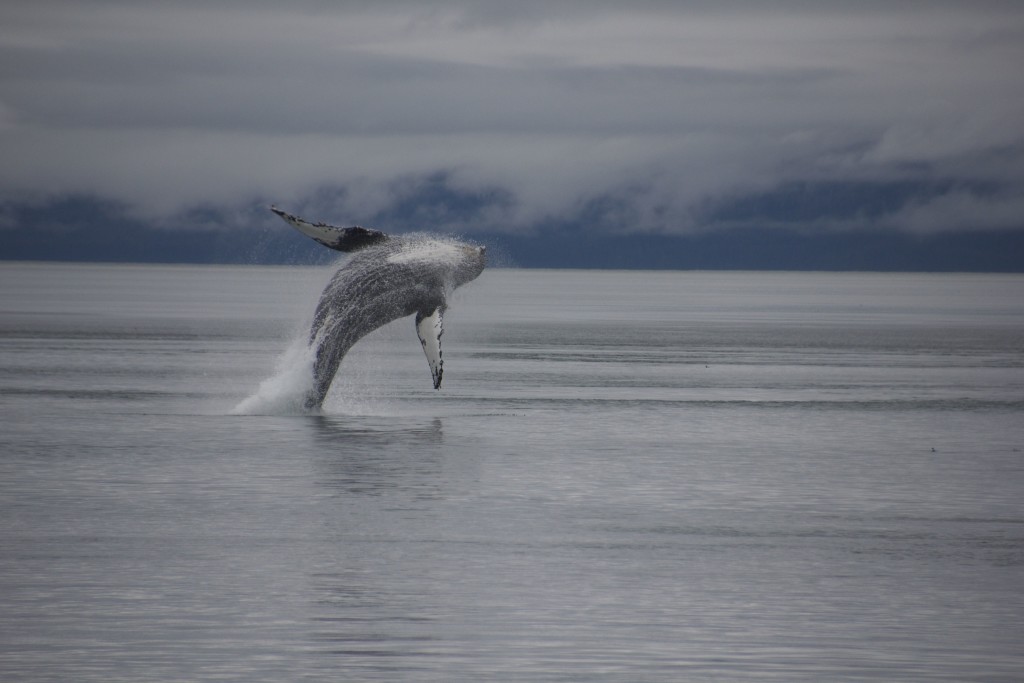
(627, 476)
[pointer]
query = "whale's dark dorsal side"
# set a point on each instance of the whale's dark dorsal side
(339, 239)
(387, 278)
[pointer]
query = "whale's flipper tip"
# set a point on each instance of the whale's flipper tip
(429, 328)
(332, 237)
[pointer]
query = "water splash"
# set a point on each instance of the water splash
(354, 392)
(285, 391)
(422, 249)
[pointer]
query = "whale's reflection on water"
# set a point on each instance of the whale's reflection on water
(370, 458)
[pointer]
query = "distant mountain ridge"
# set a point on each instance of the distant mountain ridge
(79, 228)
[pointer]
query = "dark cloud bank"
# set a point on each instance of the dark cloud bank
(83, 228)
(732, 134)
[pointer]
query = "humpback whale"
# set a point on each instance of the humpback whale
(387, 277)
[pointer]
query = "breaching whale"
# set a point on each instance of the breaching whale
(387, 277)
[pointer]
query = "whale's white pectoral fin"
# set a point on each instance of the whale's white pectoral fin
(429, 329)
(339, 239)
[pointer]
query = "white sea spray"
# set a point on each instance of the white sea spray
(429, 250)
(283, 393)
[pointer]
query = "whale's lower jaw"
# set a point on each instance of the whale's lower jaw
(325, 367)
(312, 402)
(315, 395)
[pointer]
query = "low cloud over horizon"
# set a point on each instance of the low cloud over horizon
(653, 117)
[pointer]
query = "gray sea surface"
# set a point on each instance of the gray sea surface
(627, 476)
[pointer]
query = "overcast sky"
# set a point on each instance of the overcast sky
(652, 116)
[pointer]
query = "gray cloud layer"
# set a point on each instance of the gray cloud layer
(661, 112)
